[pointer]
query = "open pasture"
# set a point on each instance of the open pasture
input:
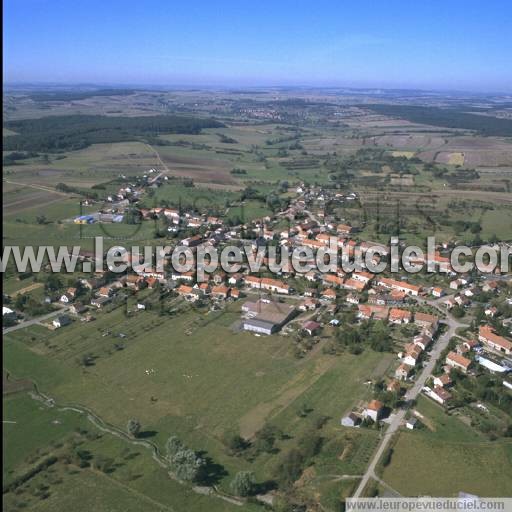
(197, 385)
(97, 163)
(420, 466)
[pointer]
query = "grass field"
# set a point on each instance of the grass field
(133, 483)
(421, 466)
(205, 384)
(34, 427)
(447, 456)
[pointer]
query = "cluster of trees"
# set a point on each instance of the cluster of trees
(225, 139)
(62, 187)
(466, 225)
(183, 461)
(276, 203)
(24, 302)
(252, 193)
(375, 334)
(486, 388)
(293, 462)
(63, 133)
(15, 156)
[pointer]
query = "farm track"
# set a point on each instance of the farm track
(38, 187)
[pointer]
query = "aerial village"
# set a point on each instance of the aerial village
(315, 308)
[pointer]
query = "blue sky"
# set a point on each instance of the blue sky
(453, 44)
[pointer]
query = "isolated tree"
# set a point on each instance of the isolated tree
(133, 427)
(53, 282)
(243, 484)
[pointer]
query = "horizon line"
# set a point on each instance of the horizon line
(227, 86)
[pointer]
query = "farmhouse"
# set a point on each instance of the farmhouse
(457, 361)
(399, 316)
(351, 420)
(440, 395)
(188, 292)
(311, 327)
(184, 276)
(427, 321)
(352, 299)
(266, 283)
(77, 308)
(134, 281)
(61, 321)
(489, 338)
(309, 304)
(8, 314)
(411, 423)
(393, 386)
(364, 277)
(329, 294)
(192, 241)
(412, 354)
(437, 291)
(422, 340)
(221, 292)
(374, 410)
(399, 285)
(369, 311)
(403, 372)
(442, 381)
(65, 298)
(99, 302)
(332, 280)
(354, 284)
(344, 229)
(105, 291)
(235, 279)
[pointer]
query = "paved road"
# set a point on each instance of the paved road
(411, 394)
(34, 321)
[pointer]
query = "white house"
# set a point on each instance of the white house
(61, 321)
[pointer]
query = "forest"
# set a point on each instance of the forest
(54, 134)
(447, 118)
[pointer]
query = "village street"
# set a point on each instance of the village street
(411, 394)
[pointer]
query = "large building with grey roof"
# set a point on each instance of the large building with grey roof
(266, 317)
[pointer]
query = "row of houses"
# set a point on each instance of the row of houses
(413, 351)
